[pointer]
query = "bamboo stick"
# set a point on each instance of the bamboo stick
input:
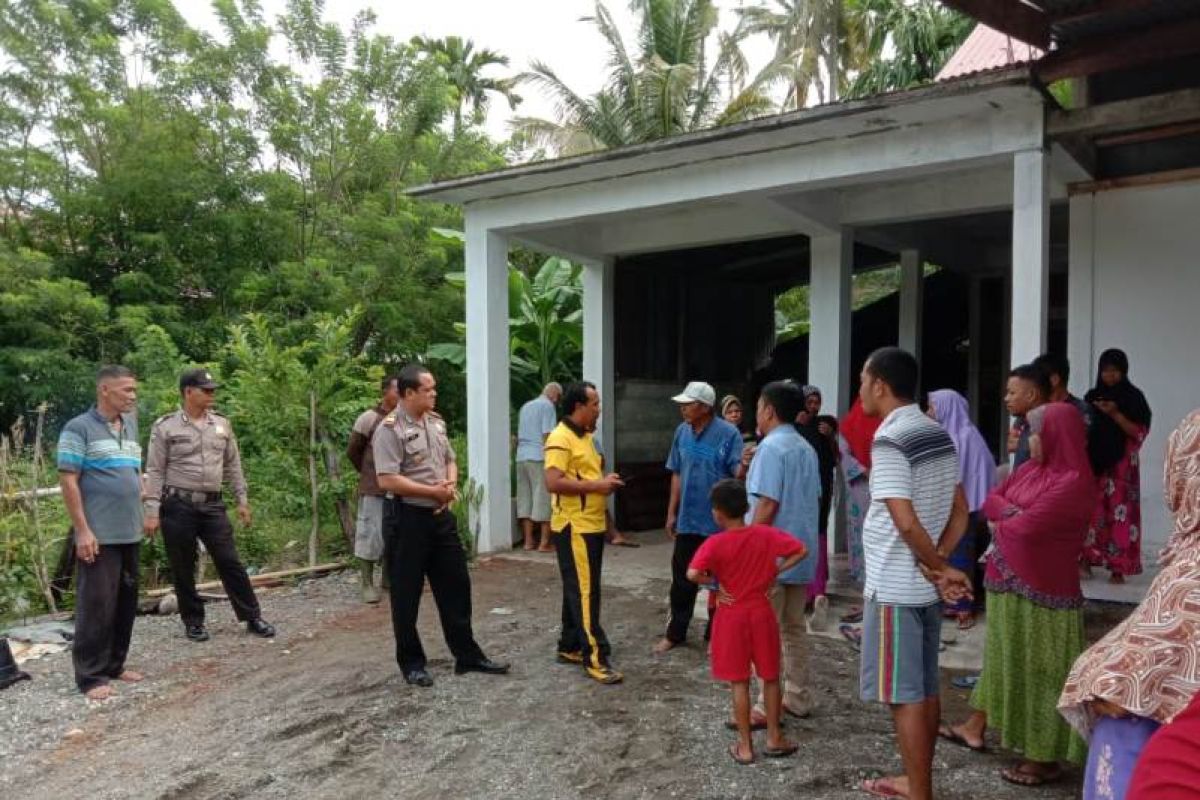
(265, 577)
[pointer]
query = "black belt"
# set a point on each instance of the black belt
(191, 496)
(413, 506)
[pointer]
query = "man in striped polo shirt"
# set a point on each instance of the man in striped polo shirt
(99, 470)
(917, 515)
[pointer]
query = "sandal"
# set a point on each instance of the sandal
(966, 620)
(881, 787)
(851, 634)
(733, 752)
(782, 752)
(948, 733)
(756, 724)
(1022, 777)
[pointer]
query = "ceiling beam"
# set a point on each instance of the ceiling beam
(1124, 116)
(1100, 7)
(1120, 51)
(1012, 17)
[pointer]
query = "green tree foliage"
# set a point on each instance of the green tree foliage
(905, 43)
(683, 75)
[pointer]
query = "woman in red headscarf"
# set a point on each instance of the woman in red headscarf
(1039, 518)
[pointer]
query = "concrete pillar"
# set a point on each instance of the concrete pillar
(598, 350)
(1030, 255)
(832, 258)
(1081, 345)
(487, 385)
(912, 298)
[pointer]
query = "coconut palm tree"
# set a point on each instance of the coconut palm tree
(922, 36)
(810, 38)
(667, 85)
(463, 67)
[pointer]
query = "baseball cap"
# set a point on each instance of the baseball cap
(697, 392)
(197, 379)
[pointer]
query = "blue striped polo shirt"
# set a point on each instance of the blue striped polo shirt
(110, 474)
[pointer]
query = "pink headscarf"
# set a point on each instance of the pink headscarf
(1041, 514)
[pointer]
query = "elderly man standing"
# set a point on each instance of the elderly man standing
(99, 470)
(534, 423)
(368, 524)
(192, 453)
(784, 485)
(705, 450)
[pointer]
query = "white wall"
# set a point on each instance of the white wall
(1145, 259)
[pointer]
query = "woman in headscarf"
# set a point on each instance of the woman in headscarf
(1039, 518)
(976, 473)
(855, 435)
(1147, 669)
(821, 437)
(1121, 425)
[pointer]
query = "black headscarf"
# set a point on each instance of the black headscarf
(1106, 444)
(826, 455)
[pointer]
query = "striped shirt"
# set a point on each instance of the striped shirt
(912, 458)
(109, 465)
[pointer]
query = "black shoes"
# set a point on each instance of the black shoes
(260, 627)
(484, 665)
(418, 677)
(196, 633)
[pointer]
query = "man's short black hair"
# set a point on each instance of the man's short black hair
(1035, 375)
(409, 378)
(785, 398)
(897, 368)
(1054, 364)
(575, 395)
(387, 382)
(729, 497)
(112, 372)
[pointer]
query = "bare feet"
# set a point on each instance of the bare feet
(896, 786)
(966, 620)
(664, 645)
(1116, 579)
(528, 545)
(129, 676)
(545, 547)
(99, 693)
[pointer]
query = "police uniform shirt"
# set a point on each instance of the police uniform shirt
(196, 458)
(417, 450)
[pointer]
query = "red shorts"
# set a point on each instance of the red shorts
(742, 637)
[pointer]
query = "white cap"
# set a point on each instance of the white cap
(697, 392)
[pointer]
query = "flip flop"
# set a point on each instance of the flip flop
(733, 753)
(1018, 777)
(954, 737)
(851, 634)
(626, 543)
(881, 787)
(964, 681)
(781, 752)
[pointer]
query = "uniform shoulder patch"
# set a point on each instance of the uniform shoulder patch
(390, 420)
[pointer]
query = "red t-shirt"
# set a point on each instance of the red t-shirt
(745, 561)
(1169, 765)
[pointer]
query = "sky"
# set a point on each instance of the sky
(523, 30)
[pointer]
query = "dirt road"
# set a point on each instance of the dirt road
(323, 712)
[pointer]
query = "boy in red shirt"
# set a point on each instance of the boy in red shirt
(746, 561)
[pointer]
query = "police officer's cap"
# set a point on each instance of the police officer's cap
(197, 379)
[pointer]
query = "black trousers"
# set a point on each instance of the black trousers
(580, 562)
(418, 544)
(183, 523)
(106, 594)
(683, 591)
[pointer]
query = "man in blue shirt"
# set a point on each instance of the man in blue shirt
(784, 485)
(535, 420)
(99, 469)
(704, 451)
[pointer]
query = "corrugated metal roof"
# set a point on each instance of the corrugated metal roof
(987, 49)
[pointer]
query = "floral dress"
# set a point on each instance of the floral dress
(1114, 540)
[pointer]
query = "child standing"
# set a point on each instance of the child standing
(746, 561)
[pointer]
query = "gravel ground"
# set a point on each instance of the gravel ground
(322, 712)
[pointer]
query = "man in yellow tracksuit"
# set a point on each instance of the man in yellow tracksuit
(578, 488)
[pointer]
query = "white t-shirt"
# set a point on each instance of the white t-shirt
(912, 458)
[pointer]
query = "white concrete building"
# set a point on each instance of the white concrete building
(983, 175)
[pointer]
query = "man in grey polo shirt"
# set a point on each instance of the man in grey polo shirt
(99, 469)
(534, 422)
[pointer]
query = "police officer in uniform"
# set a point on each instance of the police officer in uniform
(192, 452)
(415, 466)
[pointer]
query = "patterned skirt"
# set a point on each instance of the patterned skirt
(1028, 653)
